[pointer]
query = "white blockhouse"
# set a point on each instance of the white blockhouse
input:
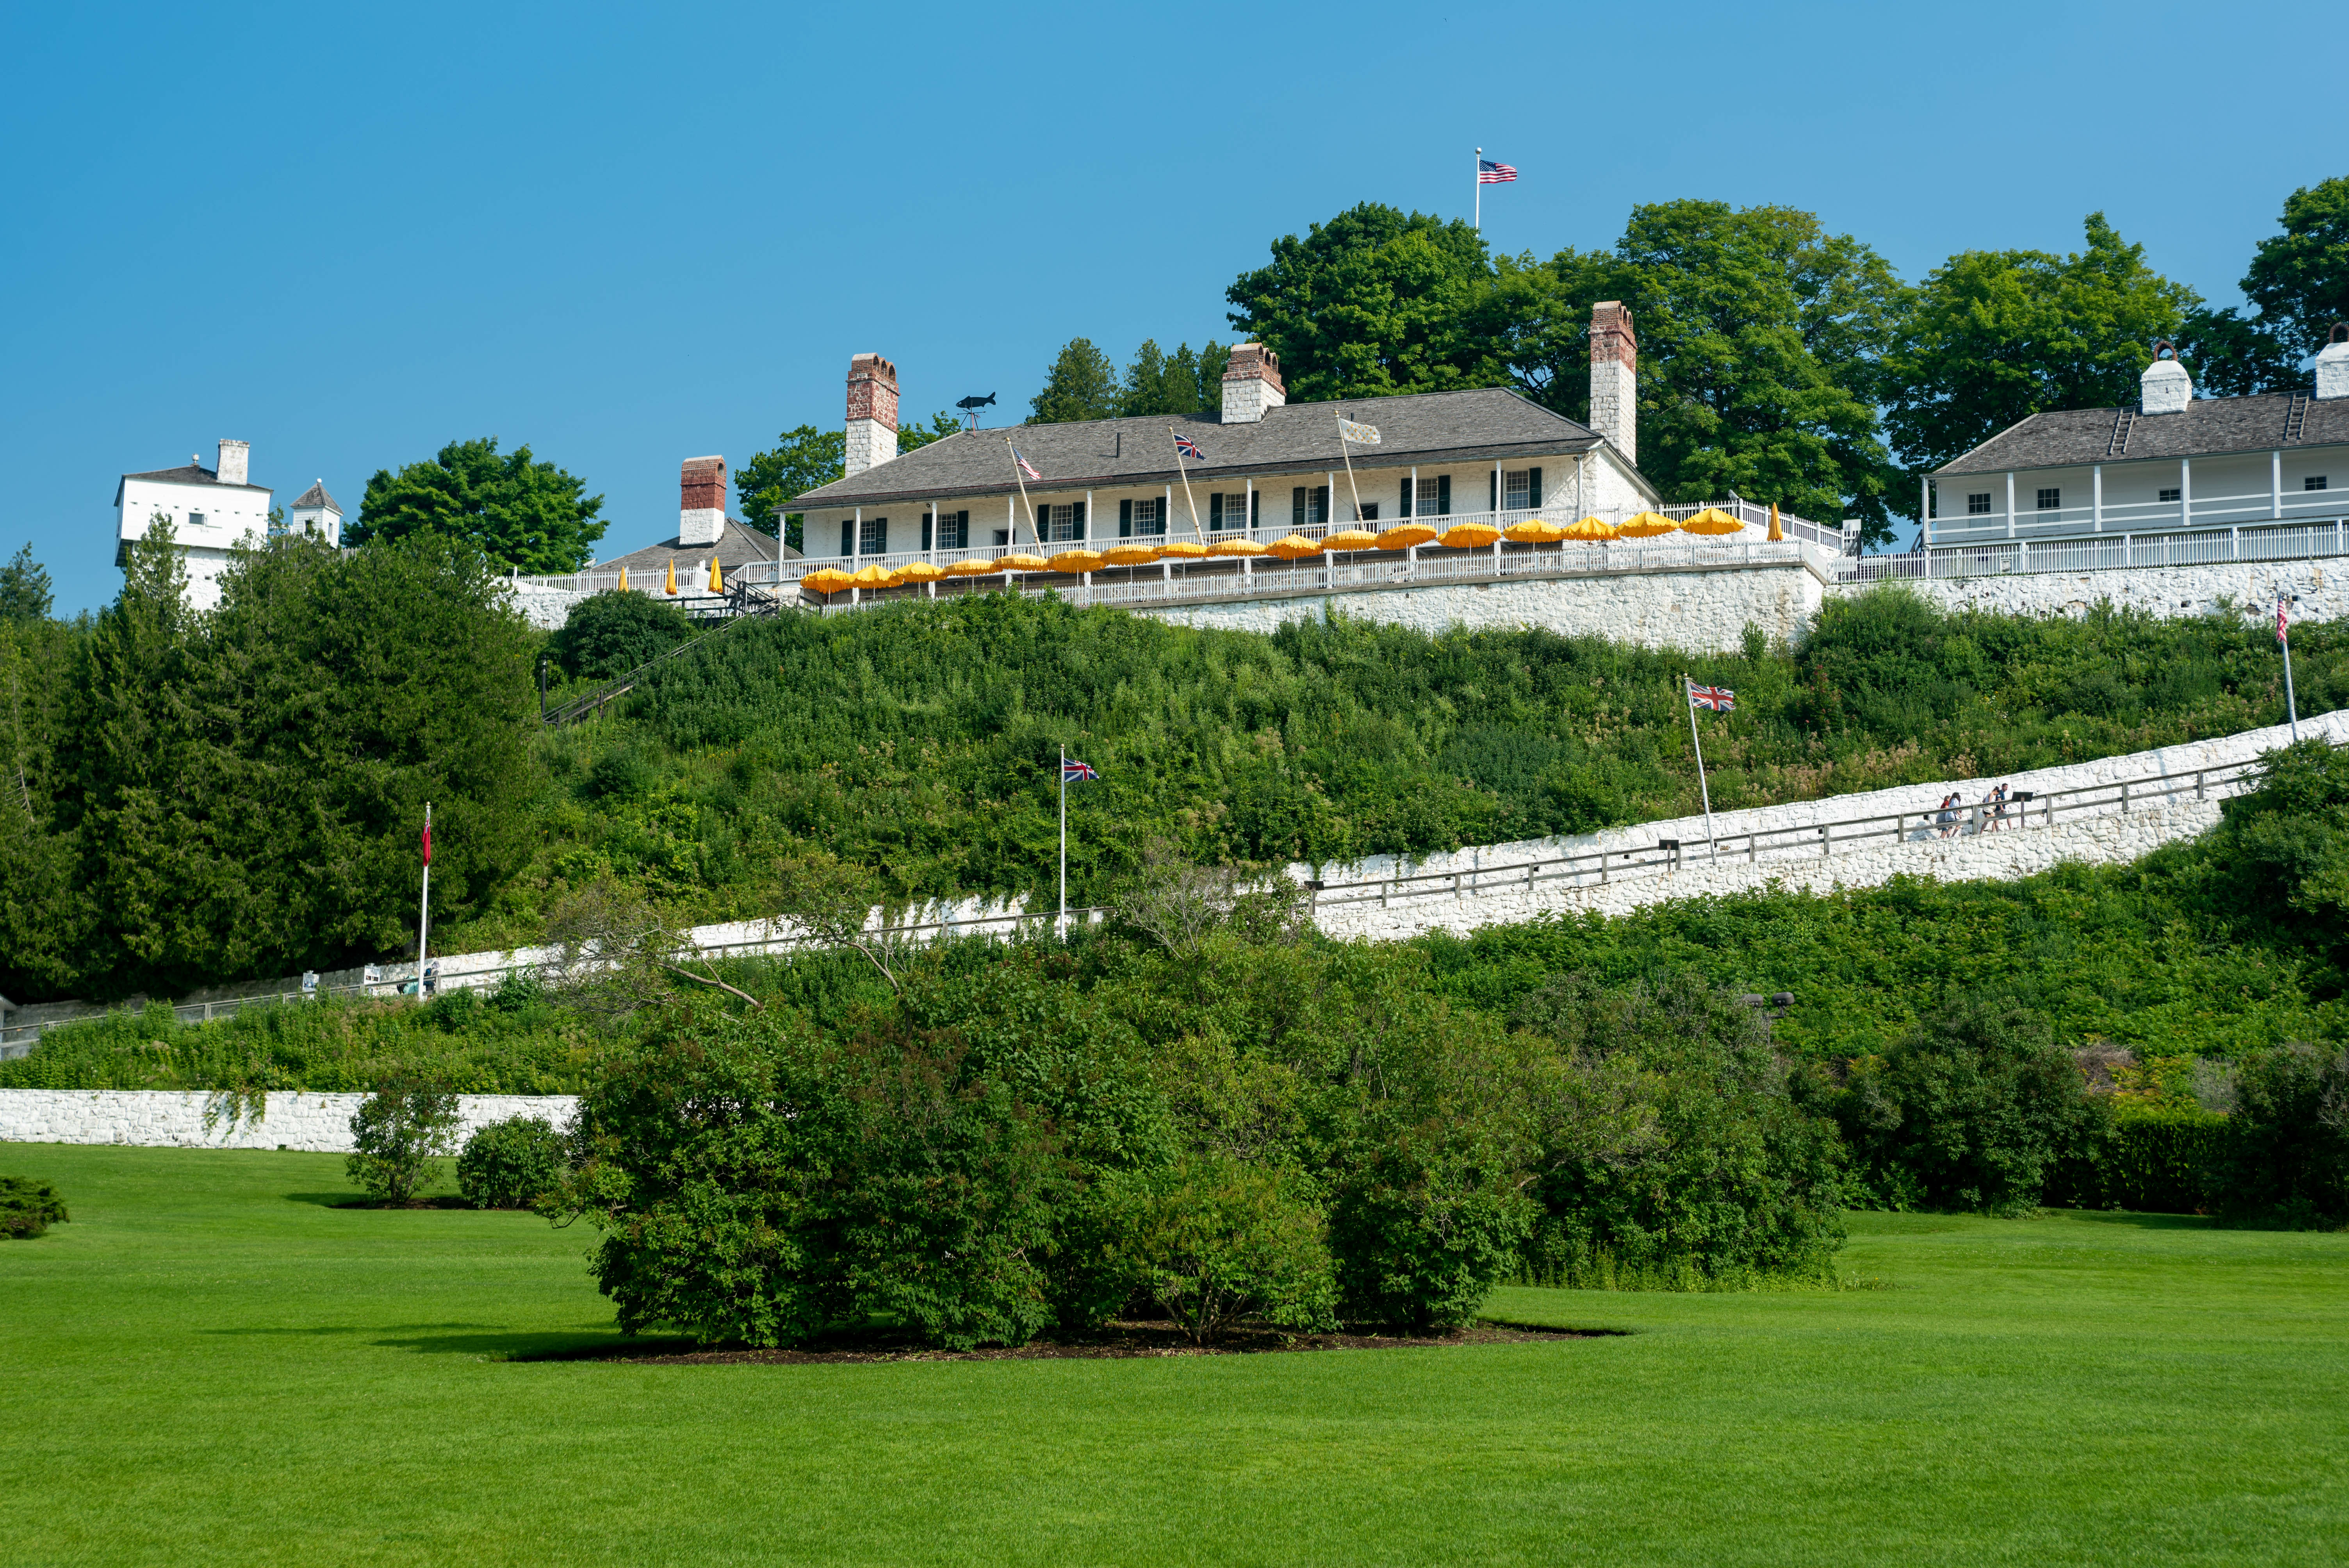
(212, 512)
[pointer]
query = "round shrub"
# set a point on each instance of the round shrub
(511, 1165)
(607, 635)
(29, 1207)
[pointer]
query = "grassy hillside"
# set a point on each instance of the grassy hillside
(920, 740)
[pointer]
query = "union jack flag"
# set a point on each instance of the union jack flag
(1075, 772)
(1491, 173)
(1185, 447)
(1025, 466)
(1721, 700)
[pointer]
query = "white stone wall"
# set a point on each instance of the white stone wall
(317, 1123)
(2169, 591)
(1698, 610)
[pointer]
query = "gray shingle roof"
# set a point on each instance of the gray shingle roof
(190, 474)
(2209, 426)
(1483, 423)
(736, 546)
(317, 496)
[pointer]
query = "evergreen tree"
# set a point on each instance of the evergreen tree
(1081, 384)
(24, 593)
(1179, 383)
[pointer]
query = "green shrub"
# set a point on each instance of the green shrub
(511, 1165)
(2290, 1163)
(1218, 1242)
(2151, 1158)
(29, 1206)
(401, 1133)
(607, 635)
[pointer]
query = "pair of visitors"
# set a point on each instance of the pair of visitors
(1948, 819)
(1996, 803)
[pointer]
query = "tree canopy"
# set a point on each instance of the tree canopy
(24, 593)
(804, 458)
(1085, 384)
(518, 511)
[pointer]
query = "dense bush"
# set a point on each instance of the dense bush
(2291, 1147)
(607, 635)
(1215, 1240)
(399, 1134)
(29, 1207)
(511, 1165)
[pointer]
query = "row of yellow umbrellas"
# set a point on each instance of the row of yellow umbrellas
(1711, 520)
(717, 577)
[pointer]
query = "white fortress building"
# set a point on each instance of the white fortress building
(213, 511)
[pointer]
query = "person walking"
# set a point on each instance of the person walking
(1948, 816)
(1996, 801)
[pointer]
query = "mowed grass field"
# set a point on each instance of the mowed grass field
(211, 1365)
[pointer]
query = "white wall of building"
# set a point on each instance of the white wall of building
(2234, 487)
(230, 514)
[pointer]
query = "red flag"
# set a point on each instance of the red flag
(428, 843)
(2280, 617)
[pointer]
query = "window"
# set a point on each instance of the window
(1141, 516)
(873, 537)
(1063, 521)
(1307, 507)
(1367, 512)
(1977, 503)
(2051, 500)
(1002, 539)
(946, 531)
(195, 520)
(1520, 489)
(2172, 494)
(1430, 496)
(2314, 482)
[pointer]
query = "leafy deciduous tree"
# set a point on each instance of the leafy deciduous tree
(518, 511)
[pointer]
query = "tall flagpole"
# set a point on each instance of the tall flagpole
(1345, 451)
(424, 902)
(1705, 791)
(2291, 703)
(1022, 481)
(1188, 499)
(1478, 174)
(1064, 841)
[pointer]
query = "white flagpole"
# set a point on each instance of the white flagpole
(424, 904)
(1705, 791)
(1188, 499)
(1345, 451)
(1021, 480)
(1477, 174)
(2291, 703)
(1064, 842)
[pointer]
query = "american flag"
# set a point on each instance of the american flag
(1075, 772)
(1185, 447)
(1721, 700)
(2280, 617)
(1025, 466)
(1491, 173)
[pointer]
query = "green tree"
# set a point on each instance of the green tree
(24, 593)
(1998, 335)
(607, 635)
(1081, 384)
(1374, 302)
(518, 511)
(1182, 382)
(803, 459)
(2299, 279)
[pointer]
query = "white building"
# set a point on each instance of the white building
(314, 515)
(212, 511)
(2180, 479)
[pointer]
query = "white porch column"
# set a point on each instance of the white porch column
(1247, 507)
(2097, 494)
(1924, 502)
(2275, 486)
(1499, 499)
(1417, 507)
(1010, 521)
(857, 542)
(2010, 503)
(1166, 514)
(2185, 492)
(1329, 512)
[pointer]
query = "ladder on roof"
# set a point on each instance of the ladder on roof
(2294, 417)
(2124, 420)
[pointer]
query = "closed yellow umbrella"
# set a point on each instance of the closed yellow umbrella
(1130, 554)
(1078, 561)
(1347, 538)
(1470, 536)
(1532, 530)
(972, 568)
(1591, 531)
(1295, 547)
(1647, 525)
(717, 578)
(1186, 549)
(1712, 520)
(624, 579)
(1020, 561)
(672, 573)
(1238, 547)
(1403, 535)
(1777, 536)
(826, 580)
(876, 577)
(922, 571)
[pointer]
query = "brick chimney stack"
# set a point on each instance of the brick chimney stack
(1252, 386)
(871, 412)
(1614, 377)
(701, 501)
(233, 456)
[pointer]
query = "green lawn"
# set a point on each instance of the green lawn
(209, 1364)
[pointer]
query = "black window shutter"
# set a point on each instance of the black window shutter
(1443, 495)
(1125, 519)
(848, 536)
(1296, 508)
(1214, 509)
(1255, 509)
(1492, 490)
(1533, 494)
(1081, 520)
(1405, 510)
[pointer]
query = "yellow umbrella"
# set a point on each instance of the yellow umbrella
(624, 579)
(1647, 525)
(1532, 530)
(922, 571)
(874, 577)
(1712, 520)
(826, 579)
(1470, 535)
(1351, 539)
(1777, 536)
(1078, 561)
(1020, 562)
(1296, 547)
(973, 568)
(672, 573)
(1130, 554)
(1591, 531)
(1186, 549)
(1234, 547)
(1403, 535)
(716, 580)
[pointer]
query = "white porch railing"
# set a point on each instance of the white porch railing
(2267, 506)
(2108, 552)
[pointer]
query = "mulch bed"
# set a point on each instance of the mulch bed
(1118, 1341)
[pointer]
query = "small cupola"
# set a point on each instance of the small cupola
(2165, 388)
(2333, 364)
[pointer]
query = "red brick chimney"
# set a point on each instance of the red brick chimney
(871, 412)
(1614, 377)
(701, 501)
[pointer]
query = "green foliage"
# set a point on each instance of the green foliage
(1080, 385)
(2291, 1137)
(2285, 846)
(1997, 336)
(605, 636)
(2299, 279)
(2151, 1158)
(25, 590)
(513, 1164)
(399, 1134)
(802, 459)
(1218, 1240)
(1183, 382)
(29, 1206)
(517, 511)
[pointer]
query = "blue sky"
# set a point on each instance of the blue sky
(628, 236)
